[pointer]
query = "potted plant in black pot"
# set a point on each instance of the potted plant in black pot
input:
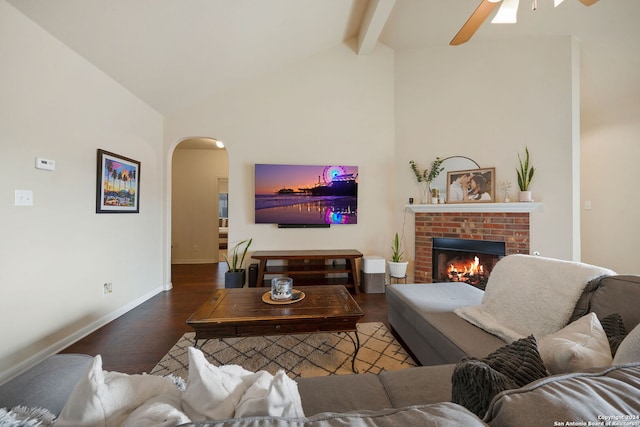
(235, 275)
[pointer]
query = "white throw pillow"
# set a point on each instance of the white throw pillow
(629, 349)
(580, 345)
(104, 399)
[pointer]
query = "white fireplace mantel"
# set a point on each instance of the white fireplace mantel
(515, 207)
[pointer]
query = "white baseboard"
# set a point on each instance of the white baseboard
(76, 336)
(195, 261)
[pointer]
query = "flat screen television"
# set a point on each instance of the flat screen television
(306, 195)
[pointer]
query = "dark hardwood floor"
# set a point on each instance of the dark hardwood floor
(136, 341)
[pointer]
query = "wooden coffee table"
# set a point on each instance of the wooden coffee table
(241, 312)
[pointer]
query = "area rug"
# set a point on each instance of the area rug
(303, 355)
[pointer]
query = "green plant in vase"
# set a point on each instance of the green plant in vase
(235, 275)
(525, 174)
(397, 267)
(426, 176)
(396, 252)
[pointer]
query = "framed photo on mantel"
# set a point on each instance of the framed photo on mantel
(118, 184)
(471, 186)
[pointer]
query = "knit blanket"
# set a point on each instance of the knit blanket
(530, 295)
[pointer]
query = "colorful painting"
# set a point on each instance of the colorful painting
(118, 184)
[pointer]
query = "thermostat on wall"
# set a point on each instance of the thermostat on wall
(45, 164)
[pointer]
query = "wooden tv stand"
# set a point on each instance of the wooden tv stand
(310, 267)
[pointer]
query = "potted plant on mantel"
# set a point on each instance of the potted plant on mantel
(397, 267)
(235, 275)
(525, 175)
(425, 177)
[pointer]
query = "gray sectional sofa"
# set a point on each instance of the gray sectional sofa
(422, 316)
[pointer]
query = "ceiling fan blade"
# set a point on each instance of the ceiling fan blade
(476, 19)
(588, 2)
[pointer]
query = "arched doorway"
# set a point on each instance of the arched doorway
(199, 172)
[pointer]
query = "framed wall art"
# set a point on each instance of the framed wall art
(471, 186)
(118, 184)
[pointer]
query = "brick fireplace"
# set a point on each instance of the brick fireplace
(498, 222)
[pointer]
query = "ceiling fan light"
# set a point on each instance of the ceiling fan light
(507, 14)
(556, 3)
(219, 144)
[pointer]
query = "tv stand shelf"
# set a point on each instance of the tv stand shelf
(310, 267)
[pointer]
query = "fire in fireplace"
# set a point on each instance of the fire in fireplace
(464, 260)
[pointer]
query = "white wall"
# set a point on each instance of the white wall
(57, 254)
(333, 108)
(488, 102)
(610, 153)
(194, 195)
(610, 229)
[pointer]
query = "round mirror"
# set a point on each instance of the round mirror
(450, 164)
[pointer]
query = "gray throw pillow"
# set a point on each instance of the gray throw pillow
(476, 381)
(582, 306)
(614, 328)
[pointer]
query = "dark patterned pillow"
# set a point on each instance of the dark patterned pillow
(476, 381)
(614, 328)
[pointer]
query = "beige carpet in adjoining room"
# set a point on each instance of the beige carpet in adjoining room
(304, 355)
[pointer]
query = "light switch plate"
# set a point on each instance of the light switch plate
(24, 198)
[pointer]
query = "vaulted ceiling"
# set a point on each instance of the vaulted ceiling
(174, 53)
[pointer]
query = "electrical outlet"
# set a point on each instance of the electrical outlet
(107, 288)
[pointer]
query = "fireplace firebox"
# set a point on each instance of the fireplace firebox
(464, 260)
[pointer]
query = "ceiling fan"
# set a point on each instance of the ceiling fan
(506, 14)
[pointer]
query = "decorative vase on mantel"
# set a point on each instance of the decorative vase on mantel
(425, 197)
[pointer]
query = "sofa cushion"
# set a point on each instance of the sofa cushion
(476, 381)
(582, 306)
(342, 393)
(472, 340)
(418, 386)
(46, 385)
(580, 345)
(422, 314)
(618, 294)
(440, 415)
(608, 395)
